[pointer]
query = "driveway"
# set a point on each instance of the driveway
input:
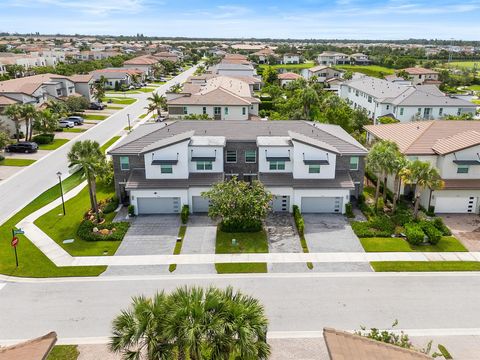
(332, 233)
(466, 228)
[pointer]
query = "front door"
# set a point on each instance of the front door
(217, 113)
(427, 113)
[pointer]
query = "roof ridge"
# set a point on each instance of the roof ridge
(419, 135)
(335, 136)
(141, 137)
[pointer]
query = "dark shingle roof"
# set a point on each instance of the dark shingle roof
(342, 180)
(137, 180)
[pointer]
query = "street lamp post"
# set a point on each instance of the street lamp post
(129, 127)
(59, 174)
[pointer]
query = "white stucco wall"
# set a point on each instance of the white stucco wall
(206, 151)
(303, 151)
(274, 151)
(180, 170)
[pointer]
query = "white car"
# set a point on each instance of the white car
(66, 124)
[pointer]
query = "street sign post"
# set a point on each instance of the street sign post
(14, 242)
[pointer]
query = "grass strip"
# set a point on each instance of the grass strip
(420, 266)
(240, 268)
(178, 246)
(64, 352)
(16, 162)
(378, 244)
(109, 143)
(54, 145)
(95, 117)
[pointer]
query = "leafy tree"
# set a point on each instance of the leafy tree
(269, 75)
(387, 120)
(192, 323)
(14, 113)
(175, 88)
(424, 176)
(76, 103)
(156, 103)
(348, 75)
(308, 97)
(46, 121)
(89, 157)
(241, 206)
(404, 75)
(4, 139)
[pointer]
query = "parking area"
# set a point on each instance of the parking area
(466, 228)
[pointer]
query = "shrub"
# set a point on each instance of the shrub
(361, 199)
(349, 210)
(380, 204)
(2, 157)
(299, 222)
(43, 139)
(431, 211)
(230, 227)
(377, 226)
(185, 213)
(415, 234)
(434, 235)
(439, 224)
(382, 223)
(402, 216)
(59, 130)
(131, 210)
(85, 231)
(111, 205)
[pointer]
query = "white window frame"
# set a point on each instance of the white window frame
(354, 163)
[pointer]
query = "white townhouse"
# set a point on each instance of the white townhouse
(161, 167)
(359, 59)
(405, 103)
(333, 58)
(453, 147)
(122, 76)
(234, 69)
(323, 73)
(291, 59)
(219, 97)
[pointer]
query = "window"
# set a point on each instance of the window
(462, 169)
(59, 92)
(204, 110)
(204, 165)
(217, 110)
(250, 156)
(314, 169)
(244, 110)
(185, 110)
(124, 163)
(226, 111)
(401, 111)
(369, 99)
(354, 163)
(166, 169)
(231, 156)
(388, 107)
(419, 111)
(459, 112)
(440, 112)
(277, 165)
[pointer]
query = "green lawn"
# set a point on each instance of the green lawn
(178, 246)
(95, 117)
(255, 242)
(240, 268)
(370, 70)
(465, 64)
(16, 162)
(60, 227)
(447, 243)
(114, 107)
(476, 102)
(74, 130)
(143, 116)
(121, 101)
(109, 143)
(64, 352)
(474, 87)
(54, 145)
(159, 82)
(306, 65)
(418, 266)
(133, 91)
(32, 262)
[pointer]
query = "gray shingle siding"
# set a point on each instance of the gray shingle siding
(240, 167)
(121, 176)
(343, 163)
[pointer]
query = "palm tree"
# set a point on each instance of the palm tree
(157, 103)
(396, 168)
(29, 112)
(14, 112)
(89, 157)
(135, 78)
(175, 88)
(424, 176)
(308, 97)
(46, 121)
(99, 88)
(58, 107)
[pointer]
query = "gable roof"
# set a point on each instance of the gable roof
(289, 76)
(419, 71)
(142, 60)
(429, 137)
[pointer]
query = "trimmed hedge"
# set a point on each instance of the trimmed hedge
(111, 205)
(2, 157)
(434, 235)
(185, 214)
(349, 210)
(299, 222)
(43, 139)
(415, 234)
(131, 210)
(85, 231)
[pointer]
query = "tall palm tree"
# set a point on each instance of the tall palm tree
(156, 103)
(175, 88)
(308, 97)
(424, 176)
(396, 168)
(99, 88)
(58, 107)
(29, 112)
(135, 78)
(46, 121)
(89, 157)
(14, 113)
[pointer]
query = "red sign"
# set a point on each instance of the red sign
(14, 241)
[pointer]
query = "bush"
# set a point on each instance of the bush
(299, 222)
(2, 157)
(266, 105)
(230, 227)
(85, 231)
(349, 210)
(380, 204)
(439, 224)
(431, 211)
(402, 216)
(434, 235)
(361, 199)
(111, 205)
(415, 234)
(377, 226)
(59, 130)
(185, 213)
(131, 210)
(44, 139)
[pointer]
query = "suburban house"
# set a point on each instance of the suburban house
(121, 76)
(291, 59)
(323, 73)
(264, 54)
(168, 56)
(453, 147)
(219, 97)
(145, 63)
(422, 76)
(162, 166)
(235, 59)
(234, 69)
(405, 103)
(333, 58)
(288, 77)
(359, 59)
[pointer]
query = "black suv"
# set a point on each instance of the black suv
(96, 106)
(22, 147)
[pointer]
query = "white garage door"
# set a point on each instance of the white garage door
(200, 204)
(322, 204)
(161, 205)
(281, 203)
(455, 204)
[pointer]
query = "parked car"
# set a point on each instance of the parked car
(66, 124)
(96, 106)
(77, 120)
(22, 147)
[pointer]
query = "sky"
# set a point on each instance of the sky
(300, 19)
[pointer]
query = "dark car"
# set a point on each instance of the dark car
(77, 120)
(22, 147)
(96, 106)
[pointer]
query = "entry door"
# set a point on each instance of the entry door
(217, 113)
(427, 112)
(281, 204)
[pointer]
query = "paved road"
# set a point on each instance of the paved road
(20, 189)
(294, 303)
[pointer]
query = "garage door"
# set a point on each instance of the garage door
(281, 204)
(455, 204)
(200, 204)
(321, 204)
(161, 205)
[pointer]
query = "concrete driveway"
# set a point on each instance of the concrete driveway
(465, 227)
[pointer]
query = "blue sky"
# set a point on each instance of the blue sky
(351, 19)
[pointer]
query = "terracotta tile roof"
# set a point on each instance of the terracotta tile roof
(419, 71)
(289, 76)
(35, 349)
(26, 85)
(342, 345)
(420, 137)
(5, 100)
(142, 60)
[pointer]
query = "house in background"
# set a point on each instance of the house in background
(145, 63)
(288, 77)
(405, 103)
(161, 167)
(323, 73)
(453, 147)
(264, 54)
(422, 76)
(234, 69)
(333, 58)
(235, 59)
(291, 59)
(359, 59)
(122, 76)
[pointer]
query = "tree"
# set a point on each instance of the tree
(240, 205)
(28, 113)
(269, 75)
(157, 103)
(99, 88)
(175, 88)
(404, 75)
(396, 168)
(58, 108)
(348, 75)
(76, 103)
(46, 121)
(424, 176)
(192, 322)
(308, 97)
(14, 112)
(88, 156)
(4, 139)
